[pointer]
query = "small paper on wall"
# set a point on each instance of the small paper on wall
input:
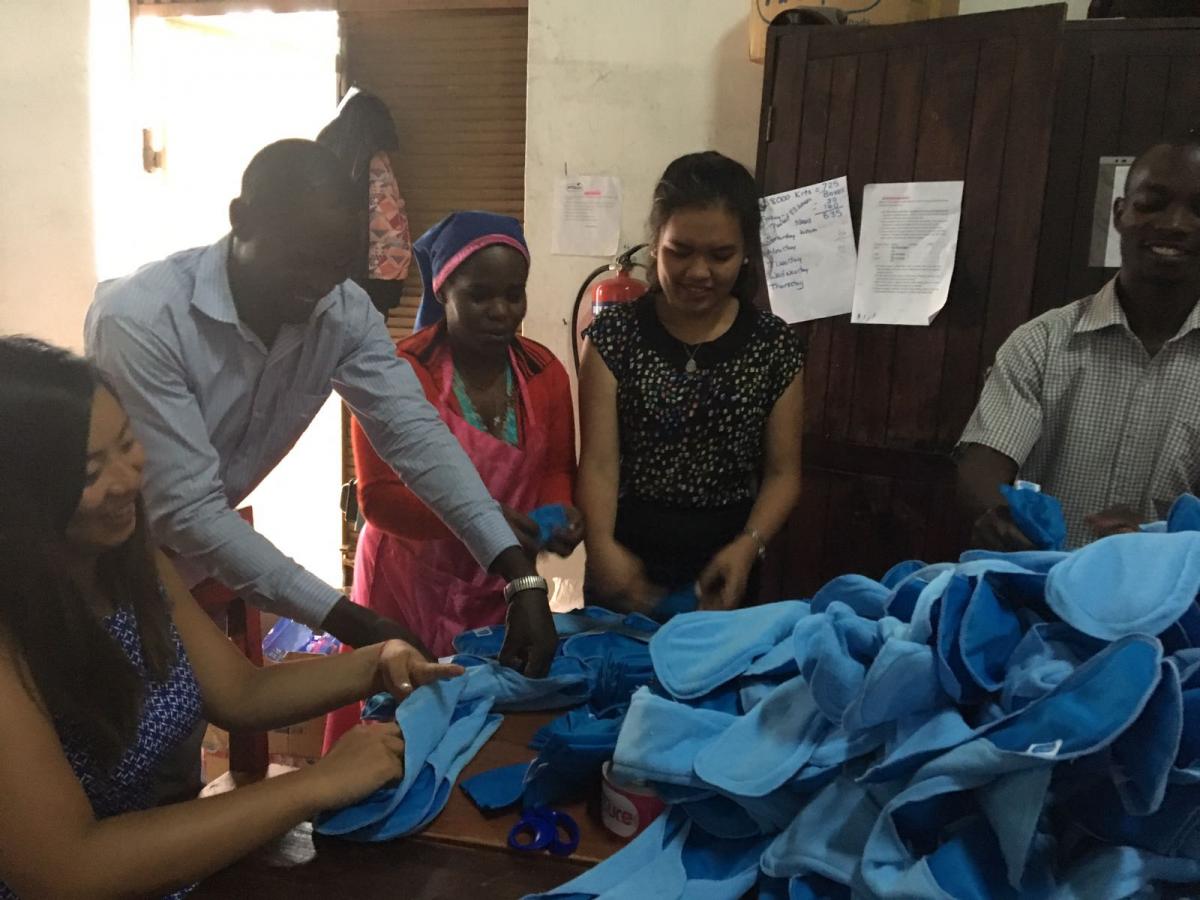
(1105, 248)
(587, 216)
(907, 242)
(808, 251)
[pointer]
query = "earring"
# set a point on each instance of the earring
(745, 260)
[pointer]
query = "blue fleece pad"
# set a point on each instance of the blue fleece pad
(568, 684)
(697, 653)
(989, 634)
(920, 739)
(828, 835)
(901, 571)
(1038, 515)
(487, 641)
(762, 750)
(902, 681)
(1013, 805)
(607, 645)
(660, 739)
(550, 519)
(864, 595)
(1030, 560)
(717, 867)
(1124, 872)
(1143, 756)
(648, 866)
(496, 788)
(1184, 514)
(1089, 708)
(834, 649)
(806, 887)
(956, 679)
(423, 717)
(1127, 584)
(572, 749)
(427, 797)
(1048, 653)
(902, 601)
(681, 600)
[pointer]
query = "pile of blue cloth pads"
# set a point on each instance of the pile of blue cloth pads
(601, 659)
(1021, 725)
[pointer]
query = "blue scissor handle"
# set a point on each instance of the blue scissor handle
(538, 829)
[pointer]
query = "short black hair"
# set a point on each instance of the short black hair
(285, 173)
(1187, 137)
(707, 179)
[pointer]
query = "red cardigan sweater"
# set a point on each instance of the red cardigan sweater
(389, 505)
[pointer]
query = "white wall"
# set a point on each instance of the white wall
(47, 268)
(621, 88)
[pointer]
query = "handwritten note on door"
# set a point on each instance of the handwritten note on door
(808, 251)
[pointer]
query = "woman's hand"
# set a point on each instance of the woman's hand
(621, 579)
(722, 584)
(367, 757)
(564, 540)
(401, 668)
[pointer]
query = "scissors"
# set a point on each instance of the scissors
(539, 828)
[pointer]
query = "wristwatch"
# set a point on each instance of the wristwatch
(525, 583)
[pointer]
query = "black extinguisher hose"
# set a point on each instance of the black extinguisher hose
(624, 261)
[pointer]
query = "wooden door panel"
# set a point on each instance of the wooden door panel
(944, 100)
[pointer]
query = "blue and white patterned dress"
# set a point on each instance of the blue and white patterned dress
(169, 713)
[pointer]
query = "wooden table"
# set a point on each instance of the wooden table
(461, 852)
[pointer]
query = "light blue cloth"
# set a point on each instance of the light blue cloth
(1109, 589)
(1118, 872)
(1085, 713)
(697, 653)
(216, 410)
(764, 749)
(902, 681)
(427, 797)
(661, 738)
(827, 837)
(423, 718)
(567, 684)
(867, 597)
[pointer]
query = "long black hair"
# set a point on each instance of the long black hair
(71, 663)
(702, 181)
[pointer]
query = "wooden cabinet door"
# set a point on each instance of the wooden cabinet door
(964, 98)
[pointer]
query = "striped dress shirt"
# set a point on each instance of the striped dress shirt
(1081, 407)
(217, 410)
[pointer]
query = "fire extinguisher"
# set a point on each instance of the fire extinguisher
(620, 288)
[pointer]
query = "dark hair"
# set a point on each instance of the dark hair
(70, 660)
(704, 180)
(285, 174)
(1188, 137)
(362, 128)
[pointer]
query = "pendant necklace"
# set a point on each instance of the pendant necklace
(690, 366)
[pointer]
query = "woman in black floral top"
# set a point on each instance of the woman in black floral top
(691, 402)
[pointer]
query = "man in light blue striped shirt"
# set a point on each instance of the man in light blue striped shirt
(222, 356)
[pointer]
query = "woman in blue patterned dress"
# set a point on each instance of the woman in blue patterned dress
(106, 663)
